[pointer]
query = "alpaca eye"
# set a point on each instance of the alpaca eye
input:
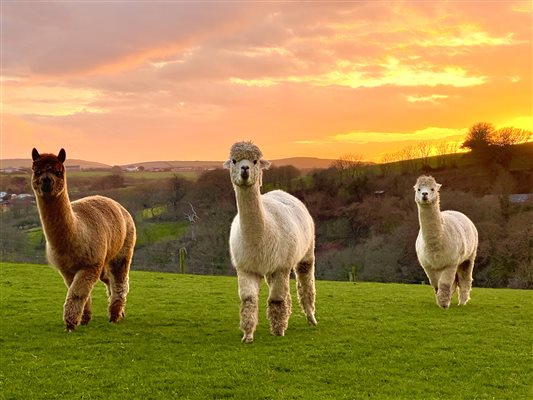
(234, 161)
(418, 189)
(432, 189)
(255, 161)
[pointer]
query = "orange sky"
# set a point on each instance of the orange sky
(120, 82)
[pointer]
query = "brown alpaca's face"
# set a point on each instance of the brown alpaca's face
(48, 178)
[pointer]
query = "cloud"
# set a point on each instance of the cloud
(182, 80)
(429, 133)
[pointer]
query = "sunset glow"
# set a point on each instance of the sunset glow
(121, 82)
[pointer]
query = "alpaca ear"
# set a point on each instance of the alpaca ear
(35, 154)
(438, 186)
(264, 164)
(226, 164)
(62, 155)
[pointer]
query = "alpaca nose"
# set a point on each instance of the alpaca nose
(46, 184)
(425, 194)
(244, 171)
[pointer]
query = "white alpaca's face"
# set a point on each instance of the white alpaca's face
(426, 190)
(246, 172)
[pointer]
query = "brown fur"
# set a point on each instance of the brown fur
(89, 239)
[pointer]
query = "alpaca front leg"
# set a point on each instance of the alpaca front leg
(433, 277)
(249, 295)
(77, 296)
(446, 287)
(279, 302)
(305, 285)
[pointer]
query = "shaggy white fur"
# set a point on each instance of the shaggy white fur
(271, 235)
(446, 245)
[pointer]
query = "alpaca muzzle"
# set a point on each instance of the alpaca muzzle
(245, 174)
(46, 185)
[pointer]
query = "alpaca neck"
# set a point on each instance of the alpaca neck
(57, 218)
(251, 211)
(430, 220)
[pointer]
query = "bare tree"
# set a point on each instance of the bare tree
(423, 151)
(349, 165)
(386, 163)
(192, 217)
(509, 136)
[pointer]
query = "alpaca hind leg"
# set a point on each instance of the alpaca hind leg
(305, 286)
(119, 287)
(464, 275)
(446, 287)
(87, 311)
(279, 302)
(77, 296)
(249, 295)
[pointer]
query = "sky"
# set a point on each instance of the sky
(121, 82)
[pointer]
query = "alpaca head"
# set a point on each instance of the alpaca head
(48, 178)
(246, 164)
(426, 190)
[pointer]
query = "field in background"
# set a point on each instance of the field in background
(180, 339)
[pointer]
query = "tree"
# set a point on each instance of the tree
(509, 136)
(423, 150)
(479, 136)
(349, 165)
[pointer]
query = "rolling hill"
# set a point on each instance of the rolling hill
(298, 162)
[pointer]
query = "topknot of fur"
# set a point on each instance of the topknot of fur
(426, 180)
(245, 150)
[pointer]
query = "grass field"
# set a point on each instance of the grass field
(181, 340)
(153, 232)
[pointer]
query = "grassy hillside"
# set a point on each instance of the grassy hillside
(180, 339)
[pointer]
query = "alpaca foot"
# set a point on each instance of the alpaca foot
(69, 327)
(116, 311)
(443, 304)
(248, 338)
(311, 320)
(277, 331)
(85, 318)
(278, 313)
(444, 296)
(463, 298)
(117, 317)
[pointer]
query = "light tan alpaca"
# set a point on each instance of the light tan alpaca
(89, 239)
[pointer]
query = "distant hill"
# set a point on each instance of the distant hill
(304, 162)
(298, 162)
(26, 163)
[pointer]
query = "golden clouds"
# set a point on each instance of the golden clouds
(314, 80)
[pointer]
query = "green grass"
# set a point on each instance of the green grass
(181, 340)
(148, 213)
(35, 236)
(155, 231)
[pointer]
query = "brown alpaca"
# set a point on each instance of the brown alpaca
(89, 239)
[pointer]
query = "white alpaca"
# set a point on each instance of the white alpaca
(271, 235)
(446, 245)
